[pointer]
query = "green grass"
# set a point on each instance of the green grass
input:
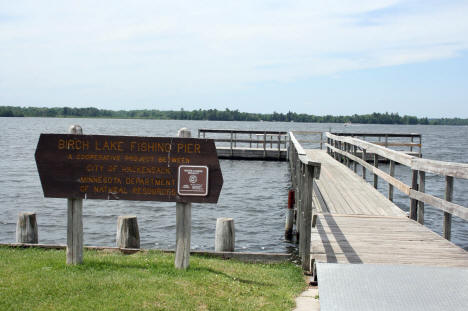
(37, 279)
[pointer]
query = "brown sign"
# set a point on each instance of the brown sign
(128, 168)
(193, 180)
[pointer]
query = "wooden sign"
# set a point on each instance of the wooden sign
(128, 168)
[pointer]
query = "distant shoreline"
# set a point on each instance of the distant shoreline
(223, 115)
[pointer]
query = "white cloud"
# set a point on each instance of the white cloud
(161, 47)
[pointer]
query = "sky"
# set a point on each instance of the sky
(316, 57)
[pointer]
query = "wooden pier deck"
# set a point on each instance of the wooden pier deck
(357, 224)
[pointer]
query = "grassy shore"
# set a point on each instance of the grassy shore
(36, 279)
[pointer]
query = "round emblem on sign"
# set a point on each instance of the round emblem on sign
(193, 179)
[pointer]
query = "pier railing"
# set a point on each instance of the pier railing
(303, 172)
(267, 141)
(410, 143)
(345, 149)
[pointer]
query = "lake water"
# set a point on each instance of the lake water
(254, 192)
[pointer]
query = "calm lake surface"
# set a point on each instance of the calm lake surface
(254, 192)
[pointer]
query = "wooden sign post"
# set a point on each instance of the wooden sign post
(75, 221)
(170, 169)
(183, 225)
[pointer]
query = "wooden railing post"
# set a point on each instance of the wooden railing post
(447, 225)
(346, 148)
(391, 169)
(264, 144)
(364, 156)
(420, 146)
(321, 140)
(340, 147)
(354, 162)
(421, 187)
(336, 156)
(414, 202)
(376, 164)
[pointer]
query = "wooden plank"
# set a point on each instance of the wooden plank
(457, 170)
(396, 144)
(409, 135)
(306, 132)
(449, 207)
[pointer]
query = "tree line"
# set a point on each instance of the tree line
(222, 115)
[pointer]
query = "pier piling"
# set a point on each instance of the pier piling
(26, 228)
(225, 235)
(128, 235)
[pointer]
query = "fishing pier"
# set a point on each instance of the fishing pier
(348, 231)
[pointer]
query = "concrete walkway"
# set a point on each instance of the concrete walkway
(308, 300)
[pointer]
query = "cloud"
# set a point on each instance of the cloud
(163, 47)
